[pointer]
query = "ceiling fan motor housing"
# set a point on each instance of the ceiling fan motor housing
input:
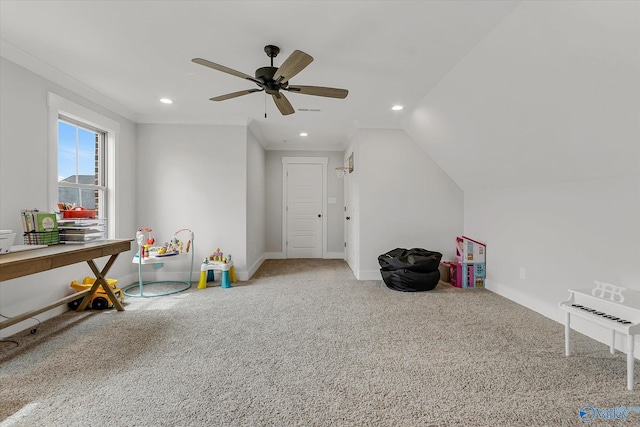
(265, 74)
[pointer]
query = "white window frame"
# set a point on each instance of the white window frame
(59, 106)
(101, 187)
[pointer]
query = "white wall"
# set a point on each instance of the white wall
(539, 125)
(23, 184)
(564, 236)
(335, 189)
(404, 199)
(194, 176)
(256, 199)
(552, 94)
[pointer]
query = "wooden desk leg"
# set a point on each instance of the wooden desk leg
(100, 281)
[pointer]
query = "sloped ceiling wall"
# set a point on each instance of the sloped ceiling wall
(551, 95)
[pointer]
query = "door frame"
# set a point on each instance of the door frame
(304, 160)
(346, 212)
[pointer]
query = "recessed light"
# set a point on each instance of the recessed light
(166, 101)
(304, 134)
(397, 107)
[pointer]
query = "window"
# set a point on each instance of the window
(81, 165)
(82, 153)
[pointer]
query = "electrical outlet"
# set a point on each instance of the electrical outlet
(522, 273)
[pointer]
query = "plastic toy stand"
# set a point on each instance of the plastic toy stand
(207, 269)
(157, 262)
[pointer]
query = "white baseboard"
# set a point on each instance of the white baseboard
(281, 255)
(129, 279)
(251, 270)
(334, 255)
(525, 300)
(368, 275)
(274, 255)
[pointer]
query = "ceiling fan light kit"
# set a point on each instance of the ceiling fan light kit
(273, 80)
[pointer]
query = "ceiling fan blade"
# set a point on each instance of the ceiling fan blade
(291, 66)
(226, 70)
(330, 92)
(234, 94)
(283, 104)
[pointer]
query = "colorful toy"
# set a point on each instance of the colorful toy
(155, 256)
(217, 261)
(172, 247)
(217, 256)
(469, 269)
(99, 300)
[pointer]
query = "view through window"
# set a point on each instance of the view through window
(81, 180)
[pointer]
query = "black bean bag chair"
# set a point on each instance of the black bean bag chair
(410, 270)
(410, 281)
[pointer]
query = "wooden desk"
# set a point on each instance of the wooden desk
(19, 264)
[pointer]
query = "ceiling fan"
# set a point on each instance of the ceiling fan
(273, 80)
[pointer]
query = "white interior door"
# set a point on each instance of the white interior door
(304, 210)
(349, 246)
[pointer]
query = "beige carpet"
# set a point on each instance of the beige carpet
(305, 344)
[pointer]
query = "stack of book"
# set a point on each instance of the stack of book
(40, 228)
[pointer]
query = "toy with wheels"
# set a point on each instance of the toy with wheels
(99, 300)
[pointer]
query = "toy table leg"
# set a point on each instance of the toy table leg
(210, 276)
(225, 279)
(203, 280)
(232, 272)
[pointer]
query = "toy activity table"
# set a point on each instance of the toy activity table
(19, 264)
(228, 273)
(157, 259)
